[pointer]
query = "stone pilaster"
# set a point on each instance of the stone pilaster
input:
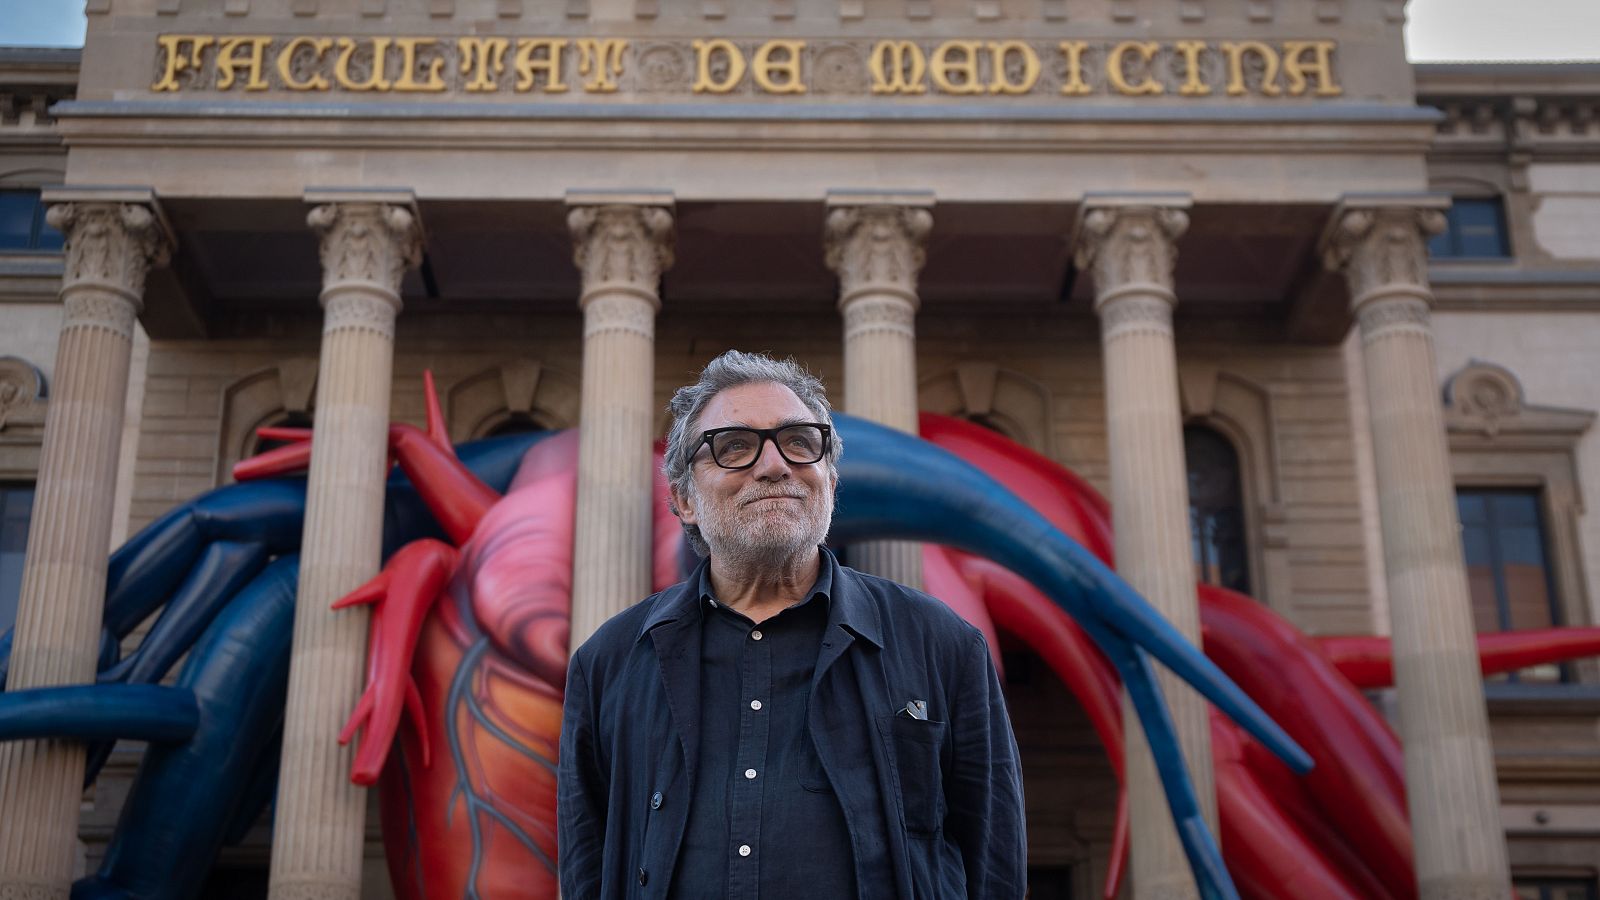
(1451, 791)
(110, 246)
(875, 244)
(367, 245)
(1129, 246)
(621, 248)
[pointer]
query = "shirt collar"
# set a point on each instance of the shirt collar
(848, 605)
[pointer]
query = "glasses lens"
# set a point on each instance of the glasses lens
(732, 449)
(801, 444)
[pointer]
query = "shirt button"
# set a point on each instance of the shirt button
(755, 635)
(755, 704)
(749, 773)
(644, 877)
(655, 800)
(744, 849)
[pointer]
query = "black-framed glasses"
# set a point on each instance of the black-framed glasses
(737, 447)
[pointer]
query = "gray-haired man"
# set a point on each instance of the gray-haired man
(778, 725)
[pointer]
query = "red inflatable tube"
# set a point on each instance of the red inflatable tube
(1369, 661)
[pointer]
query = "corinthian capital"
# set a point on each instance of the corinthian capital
(110, 247)
(1382, 250)
(621, 247)
(366, 245)
(877, 249)
(1130, 247)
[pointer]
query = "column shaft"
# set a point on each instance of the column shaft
(320, 816)
(622, 251)
(57, 638)
(877, 251)
(1451, 788)
(1131, 251)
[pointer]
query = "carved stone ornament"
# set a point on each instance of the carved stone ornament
(365, 245)
(109, 247)
(621, 247)
(1131, 248)
(1485, 393)
(21, 390)
(1383, 251)
(877, 249)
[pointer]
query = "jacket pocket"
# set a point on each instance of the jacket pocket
(915, 747)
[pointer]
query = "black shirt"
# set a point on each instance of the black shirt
(763, 820)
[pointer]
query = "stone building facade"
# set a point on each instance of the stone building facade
(1111, 230)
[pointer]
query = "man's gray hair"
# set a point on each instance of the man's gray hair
(732, 369)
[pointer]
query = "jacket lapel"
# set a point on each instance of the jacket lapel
(677, 646)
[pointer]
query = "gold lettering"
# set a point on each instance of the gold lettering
(1192, 85)
(176, 60)
(897, 68)
(316, 81)
(1295, 66)
(484, 59)
(1074, 85)
(376, 81)
(601, 62)
(228, 62)
(528, 66)
(1000, 82)
(1269, 72)
(941, 67)
(705, 81)
(1118, 76)
(432, 81)
(762, 67)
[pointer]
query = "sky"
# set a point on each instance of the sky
(1438, 31)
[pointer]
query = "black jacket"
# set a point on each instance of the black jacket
(934, 806)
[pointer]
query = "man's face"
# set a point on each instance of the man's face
(770, 511)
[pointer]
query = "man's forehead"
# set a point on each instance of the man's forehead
(761, 405)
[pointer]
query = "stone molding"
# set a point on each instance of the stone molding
(877, 249)
(1145, 312)
(1402, 314)
(22, 393)
(1014, 402)
(1130, 250)
(621, 247)
(1382, 251)
(110, 247)
(263, 397)
(523, 388)
(616, 311)
(366, 247)
(881, 313)
(352, 309)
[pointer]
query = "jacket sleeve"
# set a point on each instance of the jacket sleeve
(983, 790)
(581, 792)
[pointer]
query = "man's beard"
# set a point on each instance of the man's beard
(765, 534)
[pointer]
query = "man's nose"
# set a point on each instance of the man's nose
(771, 465)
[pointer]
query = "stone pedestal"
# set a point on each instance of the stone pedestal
(367, 244)
(1451, 791)
(1129, 246)
(621, 245)
(875, 244)
(110, 246)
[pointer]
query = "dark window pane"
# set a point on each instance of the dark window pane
(1475, 228)
(16, 506)
(46, 237)
(1508, 572)
(1216, 509)
(16, 219)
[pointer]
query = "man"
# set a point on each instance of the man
(778, 725)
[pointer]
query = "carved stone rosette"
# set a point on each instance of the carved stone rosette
(1130, 251)
(1449, 762)
(110, 247)
(621, 248)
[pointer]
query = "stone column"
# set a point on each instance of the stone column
(1451, 791)
(875, 244)
(110, 246)
(622, 244)
(1129, 246)
(369, 239)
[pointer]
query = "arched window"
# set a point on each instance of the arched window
(1216, 509)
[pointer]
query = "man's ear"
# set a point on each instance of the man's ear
(683, 505)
